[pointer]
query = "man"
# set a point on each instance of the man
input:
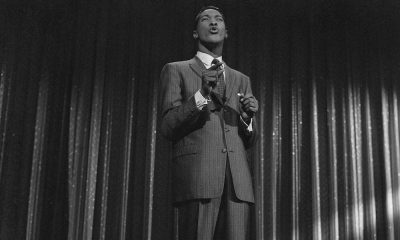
(208, 114)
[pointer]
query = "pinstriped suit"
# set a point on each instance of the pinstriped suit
(203, 140)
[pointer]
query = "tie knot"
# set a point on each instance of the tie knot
(217, 63)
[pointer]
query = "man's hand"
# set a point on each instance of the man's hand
(248, 106)
(209, 81)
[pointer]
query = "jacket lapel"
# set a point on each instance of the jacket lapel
(197, 66)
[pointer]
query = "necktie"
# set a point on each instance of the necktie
(220, 88)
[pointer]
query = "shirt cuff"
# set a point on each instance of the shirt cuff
(200, 100)
(249, 126)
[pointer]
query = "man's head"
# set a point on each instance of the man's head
(210, 26)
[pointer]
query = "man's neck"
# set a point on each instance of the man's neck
(215, 51)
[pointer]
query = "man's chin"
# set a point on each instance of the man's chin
(213, 41)
(216, 38)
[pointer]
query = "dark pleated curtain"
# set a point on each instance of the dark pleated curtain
(81, 156)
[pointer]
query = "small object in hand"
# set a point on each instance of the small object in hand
(248, 105)
(209, 81)
(241, 96)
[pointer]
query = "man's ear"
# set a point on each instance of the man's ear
(195, 34)
(226, 33)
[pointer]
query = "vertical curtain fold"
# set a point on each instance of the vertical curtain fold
(4, 105)
(37, 171)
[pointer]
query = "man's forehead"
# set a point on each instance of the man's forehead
(210, 11)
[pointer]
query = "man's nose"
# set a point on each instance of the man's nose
(213, 22)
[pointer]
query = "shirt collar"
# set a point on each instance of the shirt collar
(206, 59)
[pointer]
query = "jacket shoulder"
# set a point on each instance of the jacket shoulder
(180, 63)
(240, 74)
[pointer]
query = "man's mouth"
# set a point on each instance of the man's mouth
(214, 30)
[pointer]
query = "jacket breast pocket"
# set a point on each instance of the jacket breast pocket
(180, 151)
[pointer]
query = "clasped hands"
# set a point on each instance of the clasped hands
(248, 103)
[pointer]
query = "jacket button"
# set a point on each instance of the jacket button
(224, 150)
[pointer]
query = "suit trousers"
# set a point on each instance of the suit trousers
(223, 218)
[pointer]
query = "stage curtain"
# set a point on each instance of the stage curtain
(81, 156)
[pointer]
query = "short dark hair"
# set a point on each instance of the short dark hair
(196, 19)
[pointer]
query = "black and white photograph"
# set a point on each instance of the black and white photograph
(199, 120)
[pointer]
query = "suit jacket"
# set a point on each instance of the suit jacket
(203, 140)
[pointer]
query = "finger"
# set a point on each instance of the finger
(209, 73)
(248, 106)
(252, 105)
(253, 102)
(216, 66)
(213, 75)
(210, 79)
(245, 101)
(253, 109)
(213, 71)
(249, 95)
(244, 115)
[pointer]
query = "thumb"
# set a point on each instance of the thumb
(244, 115)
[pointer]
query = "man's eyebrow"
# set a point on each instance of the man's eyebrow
(208, 15)
(205, 15)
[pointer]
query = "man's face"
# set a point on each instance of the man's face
(210, 27)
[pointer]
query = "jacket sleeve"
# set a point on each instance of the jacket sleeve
(249, 137)
(179, 116)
